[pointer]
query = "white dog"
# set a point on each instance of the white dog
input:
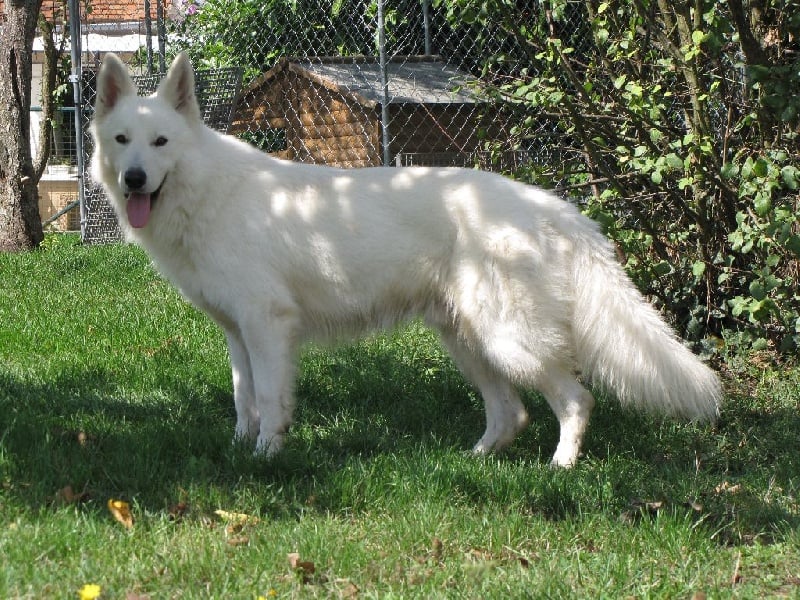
(524, 290)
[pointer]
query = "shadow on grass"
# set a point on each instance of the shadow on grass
(367, 427)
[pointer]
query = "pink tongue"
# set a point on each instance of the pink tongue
(138, 209)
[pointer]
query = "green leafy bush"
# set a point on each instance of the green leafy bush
(681, 123)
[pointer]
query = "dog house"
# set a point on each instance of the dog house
(329, 111)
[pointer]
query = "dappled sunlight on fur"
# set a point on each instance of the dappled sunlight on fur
(523, 289)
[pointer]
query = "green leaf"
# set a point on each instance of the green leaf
(656, 177)
(737, 304)
(674, 161)
(762, 203)
(698, 37)
(656, 136)
(761, 168)
(771, 282)
(747, 168)
(698, 268)
(793, 244)
(757, 290)
(635, 89)
(662, 268)
(790, 176)
(773, 260)
(729, 170)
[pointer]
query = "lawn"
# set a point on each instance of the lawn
(113, 388)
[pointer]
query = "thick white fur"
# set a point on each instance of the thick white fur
(524, 290)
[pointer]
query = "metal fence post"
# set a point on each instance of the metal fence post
(77, 95)
(426, 23)
(148, 36)
(161, 31)
(384, 84)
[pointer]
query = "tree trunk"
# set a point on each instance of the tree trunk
(20, 223)
(49, 77)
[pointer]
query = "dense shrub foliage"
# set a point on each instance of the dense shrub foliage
(682, 122)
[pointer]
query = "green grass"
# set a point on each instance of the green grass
(112, 385)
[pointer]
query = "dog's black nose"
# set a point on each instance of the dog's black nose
(135, 178)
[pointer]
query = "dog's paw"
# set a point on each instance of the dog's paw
(269, 445)
(565, 457)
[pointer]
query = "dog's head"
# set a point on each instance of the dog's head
(140, 141)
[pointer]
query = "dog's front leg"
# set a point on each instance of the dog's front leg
(271, 348)
(247, 418)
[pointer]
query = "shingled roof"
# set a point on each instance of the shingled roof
(411, 79)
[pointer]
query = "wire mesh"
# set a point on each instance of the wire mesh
(313, 87)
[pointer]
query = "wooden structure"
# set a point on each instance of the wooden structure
(328, 111)
(58, 193)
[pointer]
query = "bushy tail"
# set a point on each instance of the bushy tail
(626, 347)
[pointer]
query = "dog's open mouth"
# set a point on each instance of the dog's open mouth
(140, 205)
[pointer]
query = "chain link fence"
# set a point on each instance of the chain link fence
(347, 83)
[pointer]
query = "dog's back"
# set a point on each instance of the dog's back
(523, 289)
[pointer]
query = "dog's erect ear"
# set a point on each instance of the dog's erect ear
(113, 82)
(177, 88)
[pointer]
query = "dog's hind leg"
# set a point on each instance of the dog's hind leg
(247, 418)
(546, 367)
(510, 360)
(572, 404)
(505, 414)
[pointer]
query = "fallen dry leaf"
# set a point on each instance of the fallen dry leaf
(737, 570)
(177, 511)
(235, 522)
(346, 588)
(436, 549)
(303, 567)
(121, 511)
(239, 540)
(694, 505)
(727, 488)
(68, 496)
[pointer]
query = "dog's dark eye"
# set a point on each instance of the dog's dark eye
(121, 139)
(160, 141)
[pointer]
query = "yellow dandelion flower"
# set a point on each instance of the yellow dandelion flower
(90, 591)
